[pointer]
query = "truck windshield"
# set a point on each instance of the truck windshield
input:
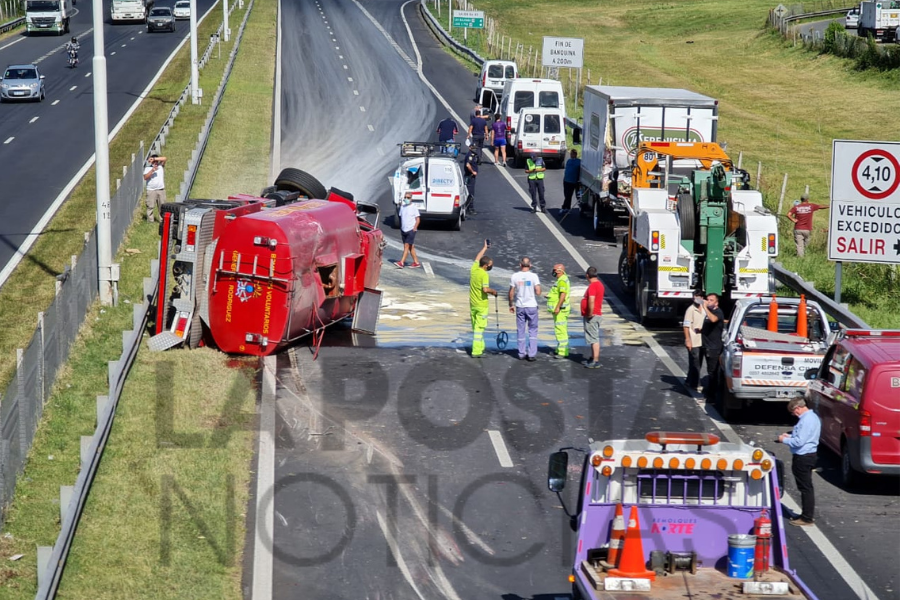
(42, 5)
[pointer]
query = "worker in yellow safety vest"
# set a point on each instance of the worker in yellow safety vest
(479, 288)
(535, 170)
(558, 305)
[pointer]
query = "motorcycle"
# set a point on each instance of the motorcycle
(73, 58)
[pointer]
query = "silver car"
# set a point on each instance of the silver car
(183, 9)
(161, 19)
(22, 82)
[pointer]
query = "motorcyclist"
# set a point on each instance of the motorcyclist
(72, 48)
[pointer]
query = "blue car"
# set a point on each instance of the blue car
(22, 82)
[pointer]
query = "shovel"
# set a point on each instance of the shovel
(502, 337)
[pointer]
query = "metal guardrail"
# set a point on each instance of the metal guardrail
(783, 23)
(10, 25)
(801, 286)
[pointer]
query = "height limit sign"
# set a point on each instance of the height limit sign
(563, 52)
(865, 202)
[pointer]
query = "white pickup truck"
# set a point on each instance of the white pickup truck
(769, 366)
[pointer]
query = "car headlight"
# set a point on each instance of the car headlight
(4, 86)
(33, 86)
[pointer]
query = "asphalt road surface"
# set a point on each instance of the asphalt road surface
(390, 481)
(43, 145)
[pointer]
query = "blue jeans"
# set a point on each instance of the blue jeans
(529, 317)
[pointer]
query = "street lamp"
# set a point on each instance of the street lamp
(101, 163)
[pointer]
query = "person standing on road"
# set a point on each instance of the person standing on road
(524, 288)
(693, 340)
(498, 139)
(591, 311)
(711, 338)
(558, 305)
(535, 169)
(154, 175)
(802, 217)
(447, 131)
(471, 175)
(479, 288)
(478, 130)
(803, 442)
(409, 224)
(570, 179)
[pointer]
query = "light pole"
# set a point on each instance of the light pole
(101, 164)
(225, 20)
(196, 92)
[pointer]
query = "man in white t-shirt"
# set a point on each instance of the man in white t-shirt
(154, 175)
(524, 288)
(409, 224)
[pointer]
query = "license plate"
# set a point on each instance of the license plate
(786, 393)
(554, 143)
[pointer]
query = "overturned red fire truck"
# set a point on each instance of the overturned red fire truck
(253, 274)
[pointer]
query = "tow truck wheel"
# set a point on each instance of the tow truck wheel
(640, 291)
(625, 274)
(849, 477)
(295, 180)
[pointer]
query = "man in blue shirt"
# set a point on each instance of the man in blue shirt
(570, 179)
(803, 442)
(447, 130)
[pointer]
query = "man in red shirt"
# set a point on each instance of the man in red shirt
(802, 216)
(591, 309)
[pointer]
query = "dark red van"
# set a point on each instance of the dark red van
(856, 393)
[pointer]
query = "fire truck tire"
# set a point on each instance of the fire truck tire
(687, 215)
(295, 180)
(196, 333)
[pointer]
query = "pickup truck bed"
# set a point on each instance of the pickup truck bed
(706, 584)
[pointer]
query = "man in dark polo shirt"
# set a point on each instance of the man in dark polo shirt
(711, 334)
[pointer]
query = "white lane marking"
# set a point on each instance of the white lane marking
(123, 45)
(333, 40)
(337, 47)
(72, 89)
(112, 53)
(132, 39)
(395, 551)
(341, 56)
(9, 139)
(500, 448)
(33, 119)
(55, 50)
(850, 576)
(263, 561)
(88, 74)
(276, 116)
(386, 35)
(346, 67)
(428, 270)
(350, 79)
(362, 109)
(11, 43)
(54, 103)
(370, 128)
(356, 92)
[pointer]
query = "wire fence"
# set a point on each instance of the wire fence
(39, 362)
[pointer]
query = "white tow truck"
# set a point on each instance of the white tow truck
(764, 361)
(431, 174)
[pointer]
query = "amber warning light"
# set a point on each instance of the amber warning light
(687, 438)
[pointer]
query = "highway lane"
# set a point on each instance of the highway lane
(53, 139)
(636, 394)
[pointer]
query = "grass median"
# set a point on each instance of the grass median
(779, 104)
(165, 515)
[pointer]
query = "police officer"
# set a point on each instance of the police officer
(471, 175)
(535, 169)
(558, 305)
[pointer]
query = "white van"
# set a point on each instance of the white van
(494, 75)
(528, 93)
(434, 180)
(542, 132)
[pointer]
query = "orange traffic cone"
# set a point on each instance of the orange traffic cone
(802, 325)
(616, 537)
(632, 564)
(773, 316)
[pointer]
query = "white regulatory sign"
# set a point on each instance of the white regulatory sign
(865, 202)
(563, 52)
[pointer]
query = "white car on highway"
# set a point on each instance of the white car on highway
(852, 19)
(182, 9)
(432, 176)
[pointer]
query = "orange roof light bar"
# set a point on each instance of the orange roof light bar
(688, 438)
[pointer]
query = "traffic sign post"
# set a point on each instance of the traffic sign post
(864, 223)
(469, 19)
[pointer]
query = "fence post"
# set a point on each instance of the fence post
(783, 190)
(22, 404)
(40, 331)
(758, 174)
(740, 159)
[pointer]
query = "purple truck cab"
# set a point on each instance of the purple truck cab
(691, 492)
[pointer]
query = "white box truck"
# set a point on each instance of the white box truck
(881, 20)
(616, 120)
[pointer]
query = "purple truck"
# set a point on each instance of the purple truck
(697, 503)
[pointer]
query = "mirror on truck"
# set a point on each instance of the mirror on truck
(834, 326)
(811, 374)
(557, 470)
(576, 135)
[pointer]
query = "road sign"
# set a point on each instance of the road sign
(471, 19)
(865, 202)
(780, 10)
(563, 52)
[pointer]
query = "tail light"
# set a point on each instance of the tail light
(484, 79)
(509, 123)
(181, 323)
(772, 248)
(456, 201)
(654, 240)
(736, 364)
(865, 423)
(519, 144)
(191, 242)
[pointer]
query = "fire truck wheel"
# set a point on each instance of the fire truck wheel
(196, 333)
(295, 180)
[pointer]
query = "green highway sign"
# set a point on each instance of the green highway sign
(471, 19)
